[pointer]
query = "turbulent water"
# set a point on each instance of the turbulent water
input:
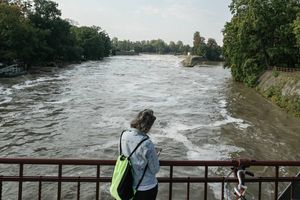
(79, 112)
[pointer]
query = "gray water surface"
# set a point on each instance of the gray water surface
(79, 112)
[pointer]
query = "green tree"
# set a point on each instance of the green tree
(260, 34)
(296, 29)
(213, 51)
(197, 43)
(91, 41)
(59, 43)
(17, 36)
(46, 10)
(281, 47)
(114, 43)
(172, 46)
(34, 33)
(186, 49)
(138, 47)
(107, 43)
(179, 46)
(159, 46)
(203, 48)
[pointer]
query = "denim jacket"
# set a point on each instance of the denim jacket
(145, 154)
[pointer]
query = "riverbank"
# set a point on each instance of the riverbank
(50, 67)
(282, 88)
(19, 70)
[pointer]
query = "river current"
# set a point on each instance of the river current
(80, 111)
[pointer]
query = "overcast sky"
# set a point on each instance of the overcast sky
(136, 20)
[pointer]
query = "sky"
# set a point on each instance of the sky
(136, 20)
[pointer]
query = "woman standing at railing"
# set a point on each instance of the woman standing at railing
(144, 160)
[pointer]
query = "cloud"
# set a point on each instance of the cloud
(144, 19)
(182, 10)
(149, 10)
(185, 11)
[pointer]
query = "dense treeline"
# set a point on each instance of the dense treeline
(33, 32)
(210, 50)
(153, 46)
(261, 34)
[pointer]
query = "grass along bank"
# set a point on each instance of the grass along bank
(282, 88)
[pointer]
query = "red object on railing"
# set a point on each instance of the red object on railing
(59, 179)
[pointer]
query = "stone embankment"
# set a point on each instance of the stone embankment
(191, 61)
(282, 88)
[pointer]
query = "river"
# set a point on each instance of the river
(80, 111)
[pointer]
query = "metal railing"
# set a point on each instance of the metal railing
(11, 69)
(170, 179)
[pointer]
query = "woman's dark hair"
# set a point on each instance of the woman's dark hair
(143, 121)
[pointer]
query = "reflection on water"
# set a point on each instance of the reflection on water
(79, 112)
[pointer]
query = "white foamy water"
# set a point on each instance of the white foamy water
(196, 151)
(5, 100)
(5, 95)
(227, 119)
(59, 102)
(33, 83)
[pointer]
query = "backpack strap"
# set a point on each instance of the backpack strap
(121, 142)
(140, 181)
(146, 138)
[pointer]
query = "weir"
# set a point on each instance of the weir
(171, 179)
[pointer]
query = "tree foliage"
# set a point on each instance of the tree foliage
(260, 34)
(297, 28)
(94, 43)
(16, 34)
(33, 32)
(210, 50)
(199, 45)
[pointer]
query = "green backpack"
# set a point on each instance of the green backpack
(122, 179)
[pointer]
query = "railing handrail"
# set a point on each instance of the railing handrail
(68, 161)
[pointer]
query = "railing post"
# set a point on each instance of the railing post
(223, 184)
(188, 189)
(40, 188)
(97, 182)
(59, 182)
(171, 182)
(20, 181)
(78, 189)
(0, 187)
(259, 190)
(292, 190)
(205, 184)
(276, 182)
